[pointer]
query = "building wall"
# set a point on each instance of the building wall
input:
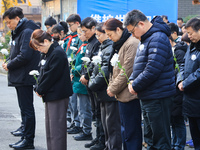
(185, 8)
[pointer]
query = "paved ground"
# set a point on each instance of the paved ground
(10, 120)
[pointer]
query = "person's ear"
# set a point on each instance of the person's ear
(93, 28)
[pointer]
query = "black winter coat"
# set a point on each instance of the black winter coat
(179, 52)
(97, 81)
(54, 81)
(191, 81)
(92, 49)
(22, 59)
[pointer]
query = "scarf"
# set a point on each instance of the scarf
(116, 47)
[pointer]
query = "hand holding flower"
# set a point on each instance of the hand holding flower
(110, 93)
(4, 65)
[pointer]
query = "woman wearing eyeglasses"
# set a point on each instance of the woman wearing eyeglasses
(125, 46)
(54, 86)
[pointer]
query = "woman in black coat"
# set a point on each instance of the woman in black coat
(98, 83)
(54, 86)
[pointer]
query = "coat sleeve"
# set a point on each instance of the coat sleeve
(158, 51)
(120, 82)
(100, 80)
(55, 71)
(25, 54)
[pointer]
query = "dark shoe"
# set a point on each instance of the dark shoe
(24, 144)
(98, 146)
(83, 137)
(93, 142)
(71, 126)
(74, 130)
(11, 145)
(18, 133)
(21, 128)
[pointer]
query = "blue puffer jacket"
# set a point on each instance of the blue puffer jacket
(191, 81)
(153, 72)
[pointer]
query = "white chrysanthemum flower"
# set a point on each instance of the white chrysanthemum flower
(141, 47)
(61, 42)
(70, 59)
(114, 61)
(73, 48)
(96, 60)
(43, 62)
(4, 51)
(34, 72)
(85, 59)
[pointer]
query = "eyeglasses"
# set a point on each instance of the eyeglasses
(79, 35)
(84, 31)
(133, 30)
(70, 25)
(98, 36)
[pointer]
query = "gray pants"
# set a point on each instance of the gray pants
(85, 113)
(73, 109)
(55, 118)
(111, 124)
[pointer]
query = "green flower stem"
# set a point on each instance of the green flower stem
(120, 67)
(177, 66)
(103, 73)
(35, 78)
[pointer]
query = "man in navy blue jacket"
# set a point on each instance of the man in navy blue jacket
(190, 84)
(22, 60)
(153, 77)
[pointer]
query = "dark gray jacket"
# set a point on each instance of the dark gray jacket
(97, 82)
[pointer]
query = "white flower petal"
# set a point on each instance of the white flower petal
(4, 51)
(73, 48)
(96, 60)
(114, 61)
(85, 59)
(34, 72)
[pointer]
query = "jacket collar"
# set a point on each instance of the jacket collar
(89, 40)
(52, 47)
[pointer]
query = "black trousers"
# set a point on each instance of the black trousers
(25, 101)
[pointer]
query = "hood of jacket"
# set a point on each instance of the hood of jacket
(105, 44)
(158, 26)
(181, 46)
(24, 24)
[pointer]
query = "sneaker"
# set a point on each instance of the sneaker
(188, 142)
(191, 145)
(93, 142)
(83, 137)
(98, 146)
(74, 130)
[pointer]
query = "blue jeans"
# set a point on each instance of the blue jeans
(73, 109)
(157, 113)
(178, 132)
(131, 130)
(195, 131)
(85, 112)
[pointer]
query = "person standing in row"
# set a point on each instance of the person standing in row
(98, 83)
(153, 78)
(129, 105)
(190, 84)
(54, 86)
(22, 60)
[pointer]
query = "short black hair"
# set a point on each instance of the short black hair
(99, 27)
(88, 22)
(62, 26)
(133, 17)
(164, 16)
(38, 23)
(13, 12)
(74, 18)
(180, 19)
(50, 21)
(194, 23)
(173, 27)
